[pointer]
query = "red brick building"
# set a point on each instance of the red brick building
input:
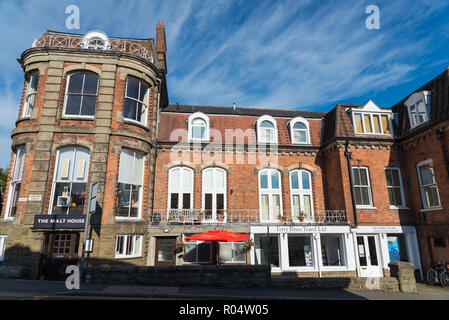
(338, 193)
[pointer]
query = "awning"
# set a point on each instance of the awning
(218, 235)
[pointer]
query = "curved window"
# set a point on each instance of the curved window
(96, 40)
(299, 131)
(31, 94)
(130, 181)
(81, 94)
(70, 181)
(270, 195)
(266, 130)
(214, 193)
(198, 127)
(16, 182)
(301, 195)
(180, 188)
(136, 100)
(96, 43)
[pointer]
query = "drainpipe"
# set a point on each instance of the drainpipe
(348, 156)
(443, 146)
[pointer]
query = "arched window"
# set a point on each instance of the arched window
(198, 127)
(266, 130)
(81, 94)
(270, 192)
(180, 188)
(31, 93)
(214, 193)
(136, 100)
(70, 181)
(301, 195)
(96, 40)
(299, 131)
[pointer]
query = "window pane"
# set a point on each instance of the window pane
(132, 88)
(299, 136)
(34, 81)
(397, 196)
(307, 206)
(365, 196)
(358, 123)
(88, 108)
(174, 198)
(363, 177)
(225, 252)
(385, 125)
(186, 178)
(388, 173)
(219, 179)
(362, 251)
(274, 179)
(276, 206)
(391, 196)
(198, 132)
(358, 195)
(264, 209)
(372, 250)
(130, 109)
(269, 250)
(135, 193)
(75, 83)
(296, 206)
(123, 199)
(73, 105)
(61, 190)
(367, 120)
(174, 177)
(186, 201)
(208, 205)
(264, 180)
(78, 198)
(90, 83)
(126, 173)
(266, 124)
(376, 120)
(143, 92)
(207, 178)
(204, 252)
(305, 180)
(300, 251)
(331, 251)
(220, 201)
(294, 180)
(239, 252)
(140, 112)
(356, 176)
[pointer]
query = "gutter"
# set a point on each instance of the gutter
(348, 156)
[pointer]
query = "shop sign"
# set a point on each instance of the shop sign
(296, 229)
(47, 221)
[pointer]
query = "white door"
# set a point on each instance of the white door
(368, 253)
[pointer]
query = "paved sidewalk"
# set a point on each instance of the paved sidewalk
(10, 288)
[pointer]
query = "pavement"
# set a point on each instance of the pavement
(13, 289)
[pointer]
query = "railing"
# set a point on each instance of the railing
(239, 216)
(72, 41)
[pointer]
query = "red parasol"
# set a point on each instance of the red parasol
(218, 235)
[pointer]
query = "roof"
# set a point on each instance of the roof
(182, 108)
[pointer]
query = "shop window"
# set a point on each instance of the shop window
(232, 252)
(332, 252)
(197, 251)
(128, 246)
(267, 249)
(396, 247)
(81, 94)
(439, 242)
(130, 180)
(136, 100)
(70, 181)
(31, 93)
(300, 251)
(16, 182)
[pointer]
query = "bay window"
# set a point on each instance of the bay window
(31, 93)
(130, 181)
(301, 195)
(136, 100)
(81, 94)
(270, 195)
(70, 181)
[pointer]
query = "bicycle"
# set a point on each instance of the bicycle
(438, 273)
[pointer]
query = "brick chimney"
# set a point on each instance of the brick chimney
(161, 46)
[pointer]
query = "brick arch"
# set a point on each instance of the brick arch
(302, 166)
(125, 72)
(180, 163)
(71, 142)
(81, 67)
(215, 164)
(270, 165)
(137, 145)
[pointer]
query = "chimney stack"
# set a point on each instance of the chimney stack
(161, 46)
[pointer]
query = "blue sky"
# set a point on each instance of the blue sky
(296, 54)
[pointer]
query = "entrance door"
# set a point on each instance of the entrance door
(367, 248)
(165, 252)
(60, 249)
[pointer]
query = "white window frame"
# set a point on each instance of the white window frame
(270, 192)
(136, 240)
(413, 101)
(371, 115)
(233, 249)
(259, 129)
(144, 102)
(196, 243)
(301, 192)
(72, 164)
(180, 190)
(214, 190)
(402, 205)
(2, 247)
(292, 130)
(20, 153)
(190, 120)
(421, 186)
(30, 92)
(364, 206)
(80, 116)
(343, 251)
(95, 35)
(139, 211)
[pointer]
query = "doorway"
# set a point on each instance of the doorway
(59, 250)
(368, 253)
(165, 252)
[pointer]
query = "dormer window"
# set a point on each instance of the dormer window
(198, 127)
(418, 106)
(299, 131)
(96, 40)
(370, 119)
(266, 130)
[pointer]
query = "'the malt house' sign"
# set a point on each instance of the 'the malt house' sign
(47, 221)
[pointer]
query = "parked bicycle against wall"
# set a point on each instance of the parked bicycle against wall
(438, 273)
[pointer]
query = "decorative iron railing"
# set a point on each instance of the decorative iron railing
(73, 41)
(239, 216)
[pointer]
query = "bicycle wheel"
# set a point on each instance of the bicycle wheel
(432, 277)
(444, 279)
